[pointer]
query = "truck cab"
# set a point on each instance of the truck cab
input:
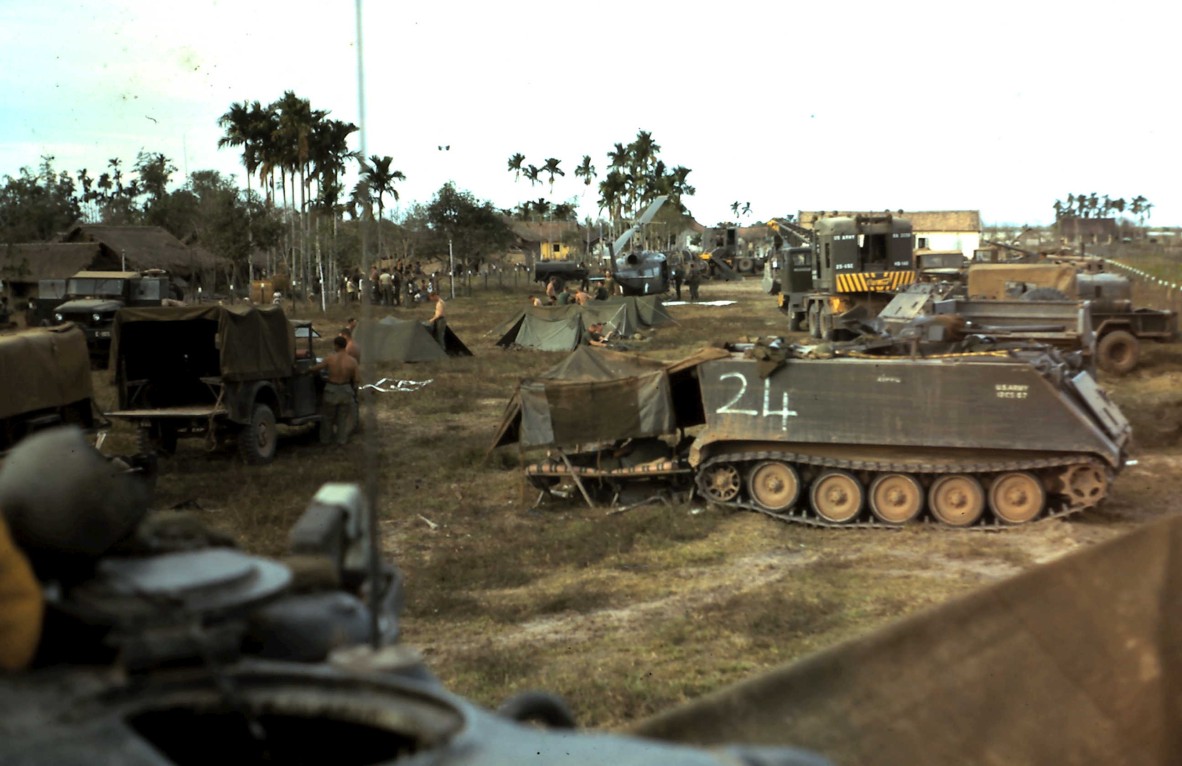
(93, 297)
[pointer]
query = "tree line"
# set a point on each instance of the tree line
(1102, 206)
(295, 209)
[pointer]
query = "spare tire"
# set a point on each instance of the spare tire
(1118, 352)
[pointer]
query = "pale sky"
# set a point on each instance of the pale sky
(1000, 107)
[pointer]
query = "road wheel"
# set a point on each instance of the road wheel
(1085, 485)
(1017, 497)
(720, 483)
(744, 265)
(957, 500)
(1118, 352)
(257, 439)
(837, 496)
(896, 498)
(774, 486)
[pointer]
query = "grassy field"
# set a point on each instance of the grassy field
(624, 614)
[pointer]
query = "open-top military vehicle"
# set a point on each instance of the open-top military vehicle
(1119, 325)
(44, 381)
(222, 373)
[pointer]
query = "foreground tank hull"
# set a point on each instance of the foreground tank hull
(966, 440)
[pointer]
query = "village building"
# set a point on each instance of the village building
(97, 247)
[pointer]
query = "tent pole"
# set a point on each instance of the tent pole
(575, 476)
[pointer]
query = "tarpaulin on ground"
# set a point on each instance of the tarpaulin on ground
(1077, 661)
(43, 369)
(251, 342)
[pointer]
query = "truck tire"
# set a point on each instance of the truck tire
(1118, 352)
(744, 265)
(257, 439)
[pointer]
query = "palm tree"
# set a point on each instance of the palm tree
(246, 125)
(585, 170)
(515, 165)
(551, 167)
(378, 176)
(531, 174)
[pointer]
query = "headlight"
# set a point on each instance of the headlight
(96, 318)
(59, 318)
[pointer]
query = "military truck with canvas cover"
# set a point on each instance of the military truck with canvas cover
(44, 381)
(213, 371)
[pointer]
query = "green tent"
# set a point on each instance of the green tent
(596, 394)
(544, 328)
(562, 328)
(405, 340)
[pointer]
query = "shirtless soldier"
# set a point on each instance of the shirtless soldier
(336, 414)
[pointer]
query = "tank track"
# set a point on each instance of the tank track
(1057, 505)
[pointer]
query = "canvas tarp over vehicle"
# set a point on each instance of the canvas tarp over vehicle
(405, 340)
(251, 342)
(1077, 661)
(42, 369)
(596, 395)
(988, 280)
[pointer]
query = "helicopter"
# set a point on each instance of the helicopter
(640, 272)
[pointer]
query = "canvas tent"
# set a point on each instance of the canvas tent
(1077, 661)
(596, 394)
(562, 328)
(405, 340)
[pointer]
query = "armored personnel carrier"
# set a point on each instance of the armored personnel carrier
(996, 437)
(856, 434)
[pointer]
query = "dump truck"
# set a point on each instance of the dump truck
(225, 374)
